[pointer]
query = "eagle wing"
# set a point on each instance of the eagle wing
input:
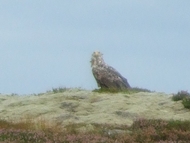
(107, 77)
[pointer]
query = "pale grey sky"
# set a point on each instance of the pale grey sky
(45, 44)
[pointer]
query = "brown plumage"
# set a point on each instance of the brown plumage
(106, 76)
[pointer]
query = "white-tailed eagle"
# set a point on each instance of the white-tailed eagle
(106, 76)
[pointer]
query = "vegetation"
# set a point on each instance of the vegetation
(28, 130)
(141, 131)
(180, 95)
(184, 96)
(63, 89)
(186, 102)
(59, 90)
(129, 91)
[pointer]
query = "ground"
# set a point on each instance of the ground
(83, 106)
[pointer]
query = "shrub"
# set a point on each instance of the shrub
(59, 90)
(180, 95)
(184, 96)
(63, 89)
(22, 136)
(145, 123)
(141, 131)
(186, 102)
(156, 130)
(178, 125)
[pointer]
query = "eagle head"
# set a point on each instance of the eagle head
(97, 59)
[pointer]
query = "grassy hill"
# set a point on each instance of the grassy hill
(78, 106)
(88, 110)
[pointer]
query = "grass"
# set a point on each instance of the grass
(129, 91)
(141, 131)
(63, 89)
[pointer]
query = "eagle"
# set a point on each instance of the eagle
(106, 76)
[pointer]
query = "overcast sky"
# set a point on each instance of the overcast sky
(45, 44)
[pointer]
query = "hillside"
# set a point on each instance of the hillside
(83, 106)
